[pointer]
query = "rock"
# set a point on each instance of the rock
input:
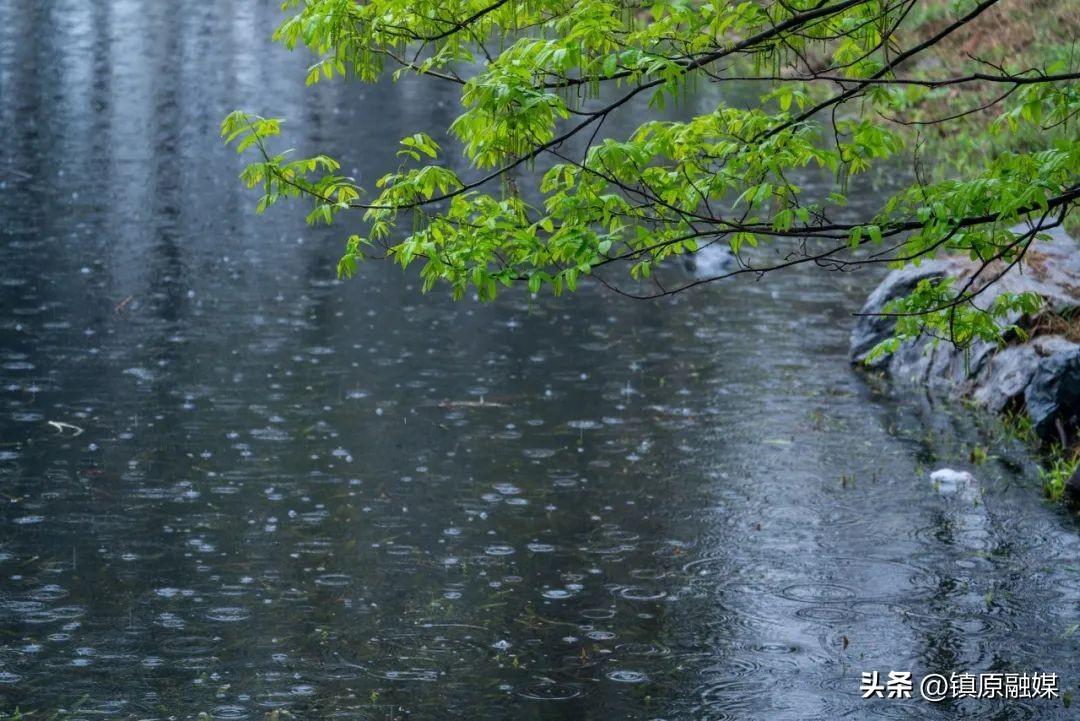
(1053, 395)
(1005, 377)
(1072, 486)
(1041, 375)
(872, 329)
(710, 261)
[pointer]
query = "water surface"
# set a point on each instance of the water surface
(349, 501)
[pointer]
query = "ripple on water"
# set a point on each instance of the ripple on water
(816, 592)
(974, 625)
(829, 614)
(550, 692)
(294, 595)
(641, 593)
(391, 522)
(419, 675)
(275, 699)
(773, 647)
(51, 592)
(537, 454)
(733, 694)
(333, 579)
(642, 649)
(270, 434)
(598, 614)
(27, 417)
(585, 425)
(557, 594)
(110, 708)
(733, 667)
(198, 663)
(186, 645)
(228, 614)
(455, 642)
(23, 607)
(625, 676)
(50, 615)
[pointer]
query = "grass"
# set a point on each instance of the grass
(1014, 36)
(1065, 323)
(1057, 472)
(1057, 464)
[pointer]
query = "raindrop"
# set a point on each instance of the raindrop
(556, 593)
(627, 676)
(228, 614)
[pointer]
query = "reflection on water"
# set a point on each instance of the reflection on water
(276, 491)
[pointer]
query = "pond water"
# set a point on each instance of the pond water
(231, 484)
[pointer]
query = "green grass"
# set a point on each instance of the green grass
(1057, 464)
(1057, 471)
(1015, 35)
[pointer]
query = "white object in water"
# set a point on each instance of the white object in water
(711, 261)
(948, 480)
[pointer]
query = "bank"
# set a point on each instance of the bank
(1032, 378)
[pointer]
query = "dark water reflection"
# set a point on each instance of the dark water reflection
(287, 495)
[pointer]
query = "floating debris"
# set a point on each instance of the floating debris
(61, 427)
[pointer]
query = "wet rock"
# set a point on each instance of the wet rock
(1041, 376)
(1072, 486)
(710, 261)
(872, 329)
(1006, 376)
(1053, 395)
